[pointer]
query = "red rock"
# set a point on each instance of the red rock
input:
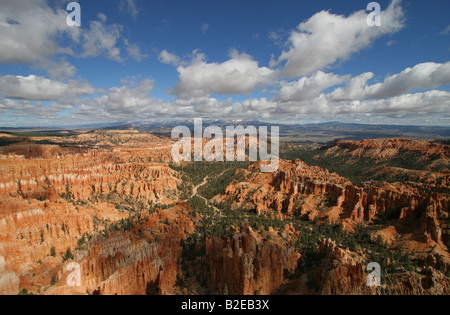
(244, 265)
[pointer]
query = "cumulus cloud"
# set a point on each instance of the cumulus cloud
(422, 76)
(295, 100)
(203, 106)
(32, 31)
(127, 98)
(131, 101)
(30, 110)
(37, 88)
(57, 69)
(327, 38)
(239, 75)
(169, 58)
(308, 88)
(29, 30)
(102, 39)
(430, 102)
(426, 104)
(134, 51)
(302, 86)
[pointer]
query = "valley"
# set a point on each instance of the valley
(114, 202)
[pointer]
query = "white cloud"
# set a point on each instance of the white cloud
(203, 106)
(169, 58)
(57, 69)
(426, 103)
(102, 17)
(260, 105)
(127, 99)
(239, 75)
(390, 43)
(35, 88)
(102, 39)
(29, 30)
(326, 38)
(27, 109)
(134, 51)
(319, 42)
(131, 101)
(308, 88)
(422, 76)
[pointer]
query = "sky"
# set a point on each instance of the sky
(273, 61)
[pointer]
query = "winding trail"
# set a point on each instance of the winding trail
(207, 203)
(195, 189)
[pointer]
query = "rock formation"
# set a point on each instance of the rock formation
(245, 265)
(416, 210)
(144, 260)
(109, 202)
(52, 195)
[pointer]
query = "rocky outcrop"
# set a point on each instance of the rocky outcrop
(316, 193)
(279, 191)
(51, 195)
(435, 282)
(87, 175)
(9, 282)
(417, 212)
(94, 195)
(245, 265)
(384, 149)
(340, 271)
(142, 261)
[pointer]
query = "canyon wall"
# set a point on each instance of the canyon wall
(246, 265)
(51, 196)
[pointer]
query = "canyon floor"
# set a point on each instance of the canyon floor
(107, 212)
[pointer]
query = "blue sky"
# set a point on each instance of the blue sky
(276, 61)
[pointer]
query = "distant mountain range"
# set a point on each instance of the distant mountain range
(311, 133)
(318, 133)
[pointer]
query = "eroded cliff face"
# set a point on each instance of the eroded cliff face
(246, 265)
(278, 191)
(96, 199)
(85, 175)
(52, 196)
(9, 281)
(418, 212)
(340, 271)
(383, 149)
(426, 162)
(144, 260)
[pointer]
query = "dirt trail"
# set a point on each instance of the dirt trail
(195, 189)
(195, 193)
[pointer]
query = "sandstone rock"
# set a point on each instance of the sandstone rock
(144, 260)
(9, 282)
(340, 272)
(244, 265)
(56, 194)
